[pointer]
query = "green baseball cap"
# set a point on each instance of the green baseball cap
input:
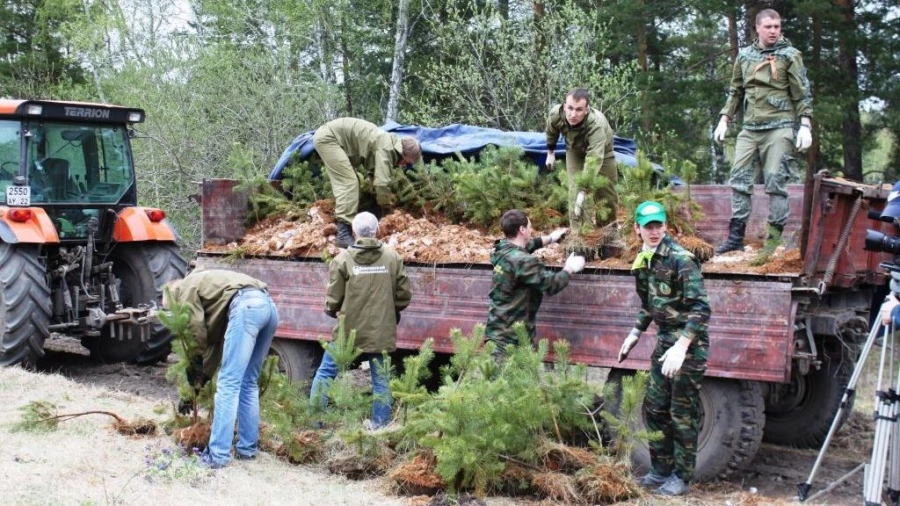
(650, 211)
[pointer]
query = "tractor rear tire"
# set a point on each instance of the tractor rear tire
(297, 359)
(24, 304)
(142, 270)
(731, 426)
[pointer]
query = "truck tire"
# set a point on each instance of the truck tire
(142, 269)
(731, 425)
(297, 359)
(24, 304)
(800, 413)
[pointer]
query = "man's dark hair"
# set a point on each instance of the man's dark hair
(767, 13)
(579, 94)
(511, 221)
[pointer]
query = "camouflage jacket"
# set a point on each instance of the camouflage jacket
(592, 137)
(367, 146)
(770, 85)
(520, 282)
(672, 294)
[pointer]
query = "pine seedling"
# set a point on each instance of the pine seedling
(184, 345)
(625, 422)
(343, 348)
(435, 191)
(408, 389)
(37, 416)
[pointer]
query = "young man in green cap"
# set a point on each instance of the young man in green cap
(672, 294)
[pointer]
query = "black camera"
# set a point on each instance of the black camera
(876, 241)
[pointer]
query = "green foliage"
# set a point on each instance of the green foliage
(343, 348)
(642, 183)
(435, 191)
(37, 416)
(625, 420)
(408, 389)
(303, 186)
(283, 409)
(177, 320)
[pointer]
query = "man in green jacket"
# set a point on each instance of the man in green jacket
(769, 83)
(233, 321)
(521, 279)
(588, 135)
(345, 143)
(369, 288)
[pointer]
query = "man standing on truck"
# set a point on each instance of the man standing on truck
(346, 143)
(233, 320)
(588, 135)
(672, 294)
(369, 288)
(521, 280)
(769, 82)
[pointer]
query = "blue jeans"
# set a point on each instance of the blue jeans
(252, 319)
(381, 388)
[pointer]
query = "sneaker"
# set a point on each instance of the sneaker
(241, 456)
(207, 461)
(673, 486)
(652, 479)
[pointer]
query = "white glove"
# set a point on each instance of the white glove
(721, 130)
(558, 234)
(551, 159)
(628, 344)
(579, 203)
(673, 358)
(889, 304)
(574, 263)
(804, 138)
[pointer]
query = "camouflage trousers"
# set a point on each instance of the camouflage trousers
(672, 407)
(343, 177)
(606, 197)
(776, 155)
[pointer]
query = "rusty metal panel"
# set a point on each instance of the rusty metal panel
(224, 212)
(750, 331)
(716, 203)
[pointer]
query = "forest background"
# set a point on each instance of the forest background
(227, 84)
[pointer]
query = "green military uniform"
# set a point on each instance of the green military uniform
(368, 285)
(520, 282)
(593, 137)
(345, 143)
(207, 295)
(771, 87)
(672, 295)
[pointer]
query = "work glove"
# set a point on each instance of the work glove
(633, 337)
(558, 234)
(888, 307)
(673, 358)
(330, 313)
(397, 315)
(185, 407)
(721, 130)
(195, 376)
(574, 263)
(385, 199)
(579, 204)
(551, 159)
(804, 138)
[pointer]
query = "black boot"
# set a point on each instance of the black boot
(735, 239)
(344, 235)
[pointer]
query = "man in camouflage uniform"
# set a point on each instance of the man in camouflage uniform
(521, 280)
(672, 294)
(345, 143)
(769, 82)
(588, 135)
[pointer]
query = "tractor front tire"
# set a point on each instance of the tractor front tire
(24, 304)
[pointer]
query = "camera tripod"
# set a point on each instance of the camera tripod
(886, 444)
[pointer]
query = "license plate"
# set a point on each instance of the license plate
(18, 196)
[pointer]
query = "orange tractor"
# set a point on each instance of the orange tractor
(78, 257)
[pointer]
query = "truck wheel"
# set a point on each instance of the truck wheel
(731, 423)
(800, 413)
(24, 304)
(297, 359)
(141, 269)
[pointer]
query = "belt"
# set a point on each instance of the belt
(246, 290)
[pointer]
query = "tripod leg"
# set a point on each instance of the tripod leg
(885, 418)
(849, 392)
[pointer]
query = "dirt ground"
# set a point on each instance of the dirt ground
(86, 463)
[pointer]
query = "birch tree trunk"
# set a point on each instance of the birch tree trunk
(400, 41)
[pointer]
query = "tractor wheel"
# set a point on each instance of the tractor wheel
(141, 270)
(298, 360)
(24, 304)
(731, 423)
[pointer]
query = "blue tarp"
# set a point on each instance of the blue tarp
(439, 143)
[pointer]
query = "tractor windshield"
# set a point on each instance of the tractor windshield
(9, 152)
(78, 163)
